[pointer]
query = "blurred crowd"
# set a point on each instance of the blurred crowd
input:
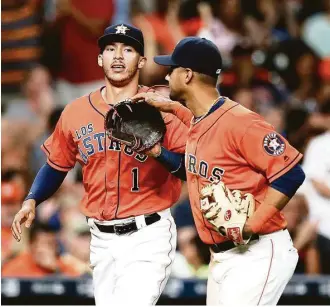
(276, 61)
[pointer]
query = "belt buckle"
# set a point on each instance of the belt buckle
(123, 228)
(118, 229)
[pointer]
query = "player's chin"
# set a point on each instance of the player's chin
(119, 80)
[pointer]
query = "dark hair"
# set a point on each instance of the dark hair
(39, 227)
(309, 8)
(10, 174)
(53, 118)
(161, 7)
(325, 107)
(295, 118)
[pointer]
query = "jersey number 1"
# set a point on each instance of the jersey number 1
(135, 179)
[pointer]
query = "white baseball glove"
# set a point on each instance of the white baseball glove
(227, 211)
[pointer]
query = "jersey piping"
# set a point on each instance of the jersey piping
(196, 154)
(90, 102)
(118, 186)
(296, 157)
(60, 166)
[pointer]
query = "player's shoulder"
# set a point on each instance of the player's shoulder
(241, 121)
(241, 117)
(80, 103)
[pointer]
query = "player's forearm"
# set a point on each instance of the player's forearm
(46, 183)
(174, 162)
(182, 113)
(278, 195)
(274, 201)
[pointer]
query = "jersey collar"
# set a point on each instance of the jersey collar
(97, 102)
(215, 107)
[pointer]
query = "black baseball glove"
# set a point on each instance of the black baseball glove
(138, 125)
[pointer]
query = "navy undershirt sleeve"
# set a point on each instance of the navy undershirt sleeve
(289, 183)
(46, 183)
(174, 162)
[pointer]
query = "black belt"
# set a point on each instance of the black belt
(225, 246)
(121, 229)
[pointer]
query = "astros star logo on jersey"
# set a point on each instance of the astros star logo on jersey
(121, 29)
(273, 144)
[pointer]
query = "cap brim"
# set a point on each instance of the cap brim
(164, 60)
(120, 38)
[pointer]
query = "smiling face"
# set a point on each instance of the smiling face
(120, 63)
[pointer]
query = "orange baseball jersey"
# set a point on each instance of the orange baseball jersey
(118, 182)
(237, 146)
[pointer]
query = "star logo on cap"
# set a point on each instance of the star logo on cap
(121, 29)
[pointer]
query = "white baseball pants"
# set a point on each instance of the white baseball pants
(255, 274)
(132, 269)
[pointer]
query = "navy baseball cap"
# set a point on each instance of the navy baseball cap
(198, 54)
(123, 33)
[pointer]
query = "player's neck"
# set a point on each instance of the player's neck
(201, 101)
(114, 94)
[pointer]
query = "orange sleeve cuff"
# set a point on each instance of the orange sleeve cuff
(263, 214)
(53, 164)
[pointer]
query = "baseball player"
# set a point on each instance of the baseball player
(251, 264)
(127, 195)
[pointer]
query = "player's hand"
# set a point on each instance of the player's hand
(247, 231)
(25, 215)
(155, 151)
(156, 100)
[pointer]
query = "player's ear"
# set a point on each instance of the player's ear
(142, 62)
(189, 75)
(100, 60)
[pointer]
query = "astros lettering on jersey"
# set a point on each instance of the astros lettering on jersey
(246, 153)
(116, 179)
